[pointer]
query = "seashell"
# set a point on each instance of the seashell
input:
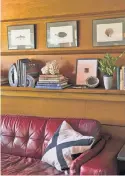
(109, 32)
(62, 34)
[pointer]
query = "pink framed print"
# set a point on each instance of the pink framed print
(85, 68)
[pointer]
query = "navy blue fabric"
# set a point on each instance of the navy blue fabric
(60, 147)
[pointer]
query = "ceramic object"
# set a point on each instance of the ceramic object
(92, 82)
(107, 81)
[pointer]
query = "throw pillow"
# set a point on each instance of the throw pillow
(65, 144)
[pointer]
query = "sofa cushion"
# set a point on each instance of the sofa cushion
(65, 145)
(22, 135)
(17, 165)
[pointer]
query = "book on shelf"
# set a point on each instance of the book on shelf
(52, 81)
(118, 77)
(52, 87)
(51, 76)
(26, 67)
(51, 84)
(3, 80)
(122, 78)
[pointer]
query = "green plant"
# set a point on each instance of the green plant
(107, 65)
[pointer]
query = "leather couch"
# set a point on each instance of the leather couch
(24, 139)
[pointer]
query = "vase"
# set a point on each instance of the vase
(107, 81)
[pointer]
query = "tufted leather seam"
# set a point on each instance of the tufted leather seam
(28, 136)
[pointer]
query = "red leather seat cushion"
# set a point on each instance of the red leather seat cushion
(17, 165)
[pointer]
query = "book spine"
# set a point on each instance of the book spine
(118, 77)
(123, 72)
(50, 76)
(48, 87)
(51, 84)
(121, 79)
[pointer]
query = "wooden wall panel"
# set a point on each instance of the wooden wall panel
(39, 12)
(40, 8)
(107, 111)
(43, 107)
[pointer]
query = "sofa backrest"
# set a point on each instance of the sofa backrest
(28, 136)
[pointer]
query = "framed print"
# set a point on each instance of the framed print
(109, 32)
(85, 68)
(62, 34)
(21, 37)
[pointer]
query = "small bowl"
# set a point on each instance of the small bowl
(92, 82)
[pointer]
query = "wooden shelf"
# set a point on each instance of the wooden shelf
(76, 94)
(62, 51)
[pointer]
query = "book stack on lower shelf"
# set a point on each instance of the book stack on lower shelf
(52, 82)
(4, 80)
(120, 78)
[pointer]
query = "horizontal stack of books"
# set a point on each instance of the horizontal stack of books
(52, 82)
(4, 80)
(120, 71)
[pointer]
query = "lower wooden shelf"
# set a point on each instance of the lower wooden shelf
(106, 106)
(77, 94)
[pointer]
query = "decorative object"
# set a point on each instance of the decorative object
(84, 69)
(21, 37)
(30, 81)
(51, 67)
(12, 76)
(107, 81)
(23, 74)
(92, 82)
(65, 145)
(109, 32)
(62, 34)
(107, 66)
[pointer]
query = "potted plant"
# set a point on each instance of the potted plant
(107, 66)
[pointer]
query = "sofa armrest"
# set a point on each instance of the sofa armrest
(84, 157)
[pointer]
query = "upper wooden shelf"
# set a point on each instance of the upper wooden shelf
(62, 51)
(71, 94)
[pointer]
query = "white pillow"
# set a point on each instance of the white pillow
(64, 144)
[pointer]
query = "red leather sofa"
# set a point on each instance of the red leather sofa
(24, 139)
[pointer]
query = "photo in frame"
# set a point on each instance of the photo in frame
(85, 68)
(62, 34)
(109, 32)
(21, 37)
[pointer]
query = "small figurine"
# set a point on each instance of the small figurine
(51, 67)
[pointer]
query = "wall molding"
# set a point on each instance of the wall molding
(105, 13)
(63, 52)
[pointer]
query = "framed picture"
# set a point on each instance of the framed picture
(21, 37)
(62, 34)
(84, 69)
(109, 32)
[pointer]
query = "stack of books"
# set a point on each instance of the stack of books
(4, 80)
(120, 72)
(52, 82)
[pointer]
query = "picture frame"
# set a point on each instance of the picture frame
(109, 32)
(21, 37)
(62, 34)
(85, 68)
